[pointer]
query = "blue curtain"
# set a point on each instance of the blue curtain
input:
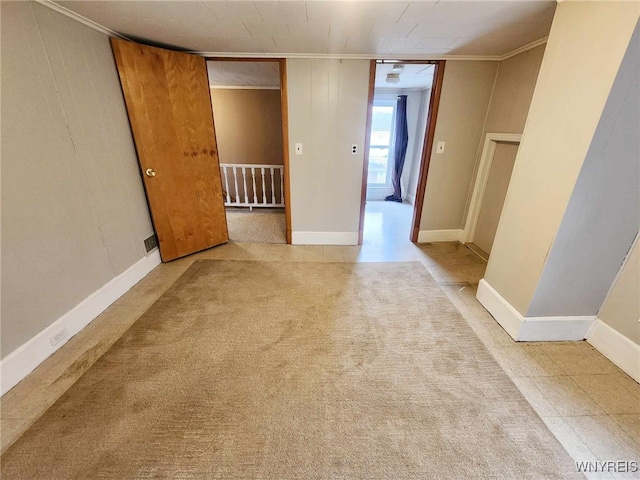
(399, 148)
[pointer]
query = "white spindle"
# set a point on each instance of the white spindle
(253, 177)
(273, 189)
(244, 183)
(226, 183)
(248, 199)
(281, 169)
(235, 180)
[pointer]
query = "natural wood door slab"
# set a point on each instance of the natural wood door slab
(167, 98)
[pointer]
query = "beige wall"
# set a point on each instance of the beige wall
(466, 91)
(495, 192)
(602, 217)
(74, 214)
(512, 93)
(621, 310)
(248, 125)
(575, 78)
(327, 113)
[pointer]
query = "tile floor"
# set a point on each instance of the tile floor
(591, 406)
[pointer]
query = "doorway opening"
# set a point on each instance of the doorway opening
(490, 191)
(248, 97)
(403, 98)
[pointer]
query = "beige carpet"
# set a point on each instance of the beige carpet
(294, 371)
(259, 226)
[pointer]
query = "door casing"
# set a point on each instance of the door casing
(284, 105)
(425, 158)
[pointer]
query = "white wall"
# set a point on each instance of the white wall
(584, 51)
(414, 173)
(327, 114)
(74, 214)
(415, 131)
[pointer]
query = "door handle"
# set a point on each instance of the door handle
(150, 172)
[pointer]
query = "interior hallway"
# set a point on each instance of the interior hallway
(591, 406)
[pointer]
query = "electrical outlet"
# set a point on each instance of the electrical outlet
(354, 149)
(298, 149)
(440, 147)
(59, 336)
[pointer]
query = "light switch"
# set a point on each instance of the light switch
(298, 149)
(354, 149)
(440, 147)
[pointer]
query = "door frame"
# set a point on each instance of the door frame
(284, 105)
(482, 177)
(427, 146)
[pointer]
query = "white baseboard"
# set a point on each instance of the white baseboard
(23, 360)
(411, 199)
(324, 238)
(555, 329)
(430, 236)
(501, 310)
(378, 193)
(531, 329)
(616, 347)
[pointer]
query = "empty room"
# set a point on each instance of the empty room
(321, 239)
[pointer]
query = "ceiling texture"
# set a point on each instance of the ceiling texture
(415, 76)
(426, 29)
(244, 74)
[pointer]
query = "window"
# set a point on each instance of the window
(382, 122)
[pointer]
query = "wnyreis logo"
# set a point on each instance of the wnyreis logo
(609, 466)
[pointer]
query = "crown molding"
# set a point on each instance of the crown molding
(520, 50)
(347, 56)
(79, 18)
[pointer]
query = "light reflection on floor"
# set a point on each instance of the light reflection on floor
(387, 223)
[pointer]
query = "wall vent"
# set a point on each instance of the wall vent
(151, 243)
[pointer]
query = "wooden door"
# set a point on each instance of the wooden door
(169, 106)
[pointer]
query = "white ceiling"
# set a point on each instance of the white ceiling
(244, 74)
(374, 28)
(414, 76)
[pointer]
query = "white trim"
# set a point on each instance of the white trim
(555, 329)
(376, 194)
(616, 347)
(488, 150)
(531, 329)
(243, 87)
(324, 238)
(79, 18)
(429, 236)
(23, 360)
(523, 49)
(347, 56)
(501, 310)
(412, 200)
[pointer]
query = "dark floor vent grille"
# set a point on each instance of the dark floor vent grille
(151, 243)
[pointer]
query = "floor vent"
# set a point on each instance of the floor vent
(151, 243)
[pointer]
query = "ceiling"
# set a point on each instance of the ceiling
(244, 74)
(413, 76)
(368, 28)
